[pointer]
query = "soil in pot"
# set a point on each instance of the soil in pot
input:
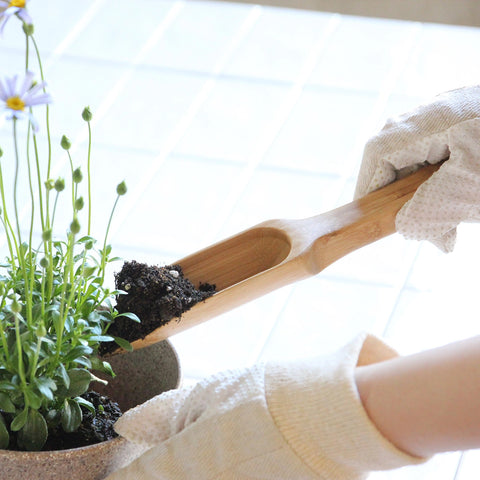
(95, 427)
(156, 295)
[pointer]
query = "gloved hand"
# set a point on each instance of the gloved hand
(449, 127)
(300, 421)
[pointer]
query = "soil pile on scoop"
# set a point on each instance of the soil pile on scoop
(156, 295)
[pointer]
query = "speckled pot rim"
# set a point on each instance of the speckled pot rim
(67, 452)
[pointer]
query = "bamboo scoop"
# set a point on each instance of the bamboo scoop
(276, 253)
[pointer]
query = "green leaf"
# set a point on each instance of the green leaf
(75, 352)
(125, 344)
(71, 415)
(33, 399)
(86, 239)
(85, 403)
(79, 381)
(56, 320)
(6, 404)
(53, 418)
(19, 421)
(88, 306)
(100, 338)
(46, 387)
(102, 366)
(88, 271)
(129, 315)
(84, 362)
(4, 436)
(6, 385)
(62, 372)
(34, 433)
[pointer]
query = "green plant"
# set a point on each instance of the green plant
(55, 308)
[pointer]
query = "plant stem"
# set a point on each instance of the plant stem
(104, 253)
(2, 331)
(64, 307)
(21, 258)
(32, 213)
(33, 367)
(21, 370)
(47, 117)
(15, 181)
(6, 222)
(89, 176)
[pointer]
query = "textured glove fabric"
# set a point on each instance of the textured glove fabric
(445, 129)
(300, 421)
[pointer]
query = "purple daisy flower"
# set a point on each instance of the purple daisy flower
(17, 97)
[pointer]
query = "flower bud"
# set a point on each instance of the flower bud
(50, 184)
(77, 175)
(28, 29)
(89, 244)
(79, 203)
(47, 235)
(41, 330)
(59, 184)
(44, 262)
(87, 114)
(75, 226)
(65, 143)
(121, 188)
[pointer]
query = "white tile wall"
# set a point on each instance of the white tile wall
(220, 115)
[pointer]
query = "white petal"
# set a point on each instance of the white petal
(11, 86)
(27, 83)
(23, 15)
(35, 89)
(38, 100)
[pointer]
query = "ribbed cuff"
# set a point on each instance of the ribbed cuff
(316, 406)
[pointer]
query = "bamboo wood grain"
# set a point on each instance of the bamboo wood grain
(276, 253)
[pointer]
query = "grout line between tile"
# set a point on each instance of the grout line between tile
(185, 121)
(459, 466)
(266, 139)
(257, 357)
(400, 287)
(74, 33)
(127, 75)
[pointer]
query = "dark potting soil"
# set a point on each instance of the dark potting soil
(95, 428)
(156, 295)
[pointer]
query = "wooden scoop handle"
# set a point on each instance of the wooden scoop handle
(280, 252)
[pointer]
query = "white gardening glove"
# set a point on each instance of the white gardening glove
(299, 421)
(449, 127)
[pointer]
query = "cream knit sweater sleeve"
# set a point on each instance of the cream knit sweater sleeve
(301, 421)
(316, 406)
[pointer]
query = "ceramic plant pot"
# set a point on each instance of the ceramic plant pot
(141, 375)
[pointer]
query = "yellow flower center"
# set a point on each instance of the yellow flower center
(17, 3)
(15, 103)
